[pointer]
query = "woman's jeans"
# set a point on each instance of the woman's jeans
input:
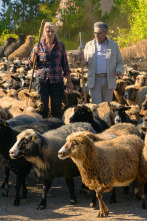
(56, 93)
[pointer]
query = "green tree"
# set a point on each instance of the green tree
(137, 20)
(72, 18)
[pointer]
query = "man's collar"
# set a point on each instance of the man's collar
(105, 42)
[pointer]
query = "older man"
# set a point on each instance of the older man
(104, 64)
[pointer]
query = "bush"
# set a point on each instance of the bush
(5, 35)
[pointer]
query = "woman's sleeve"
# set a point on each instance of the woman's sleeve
(64, 62)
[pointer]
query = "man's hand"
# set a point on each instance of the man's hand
(119, 74)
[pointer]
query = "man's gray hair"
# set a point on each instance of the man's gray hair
(101, 25)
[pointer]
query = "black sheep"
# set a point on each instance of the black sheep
(42, 152)
(8, 41)
(20, 166)
(83, 114)
(14, 45)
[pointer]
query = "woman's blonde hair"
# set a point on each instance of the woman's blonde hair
(53, 26)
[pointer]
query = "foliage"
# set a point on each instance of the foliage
(127, 20)
(71, 19)
(137, 20)
(5, 35)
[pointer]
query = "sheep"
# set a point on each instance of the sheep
(133, 113)
(141, 80)
(13, 106)
(3, 114)
(144, 104)
(15, 111)
(21, 93)
(135, 95)
(14, 45)
(21, 120)
(20, 166)
(42, 126)
(83, 114)
(117, 130)
(143, 166)
(70, 111)
(113, 113)
(13, 82)
(24, 50)
(119, 91)
(71, 99)
(10, 93)
(8, 41)
(142, 123)
(104, 164)
(41, 151)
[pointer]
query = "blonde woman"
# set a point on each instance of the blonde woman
(52, 66)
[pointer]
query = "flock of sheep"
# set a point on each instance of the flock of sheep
(106, 144)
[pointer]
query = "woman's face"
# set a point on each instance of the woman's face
(49, 33)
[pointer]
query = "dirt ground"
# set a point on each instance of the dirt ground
(58, 208)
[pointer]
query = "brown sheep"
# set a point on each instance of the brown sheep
(15, 111)
(144, 104)
(104, 165)
(135, 95)
(21, 94)
(119, 91)
(24, 50)
(134, 112)
(143, 165)
(117, 130)
(9, 93)
(141, 80)
(12, 106)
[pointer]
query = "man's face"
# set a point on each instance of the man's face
(100, 35)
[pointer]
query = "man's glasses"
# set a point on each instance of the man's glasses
(98, 33)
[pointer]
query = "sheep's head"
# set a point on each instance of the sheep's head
(144, 104)
(120, 86)
(144, 125)
(82, 113)
(130, 92)
(77, 145)
(26, 144)
(140, 80)
(3, 128)
(34, 100)
(133, 112)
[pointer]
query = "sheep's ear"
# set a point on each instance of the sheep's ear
(5, 124)
(31, 139)
(127, 108)
(141, 115)
(26, 94)
(5, 92)
(81, 139)
(91, 136)
(144, 129)
(22, 109)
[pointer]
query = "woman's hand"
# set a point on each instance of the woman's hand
(69, 87)
(35, 52)
(69, 84)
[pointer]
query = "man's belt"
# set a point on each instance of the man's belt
(102, 74)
